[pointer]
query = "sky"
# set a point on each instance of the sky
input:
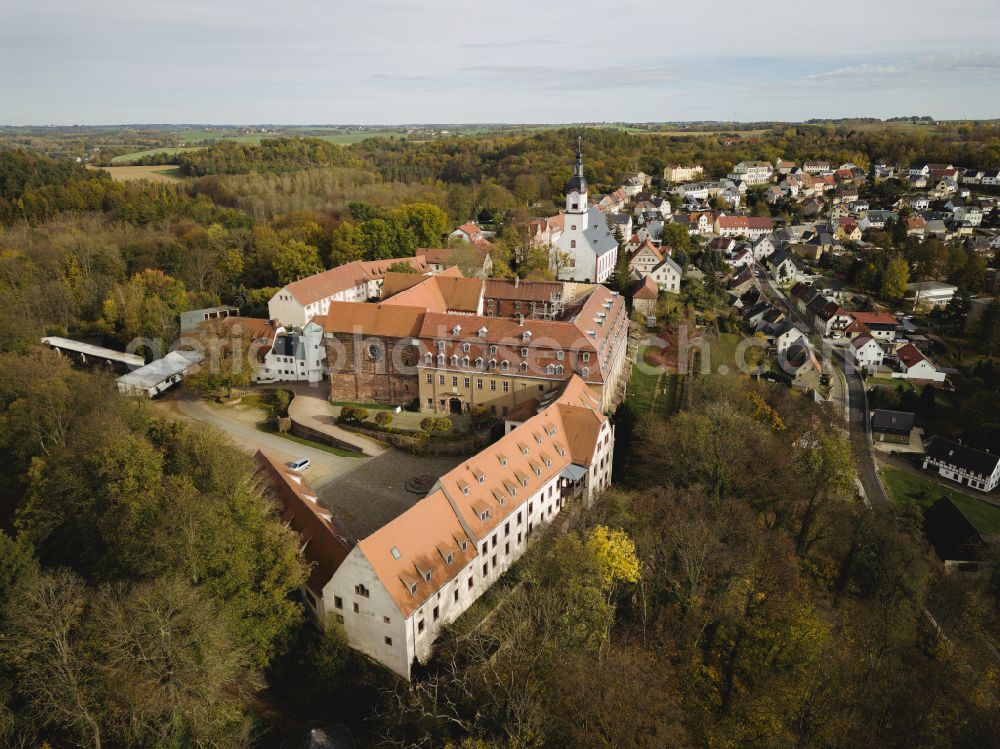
(465, 61)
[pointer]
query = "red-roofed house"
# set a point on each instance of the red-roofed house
(913, 365)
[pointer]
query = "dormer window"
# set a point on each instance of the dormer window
(550, 369)
(413, 589)
(428, 358)
(585, 372)
(560, 369)
(504, 365)
(440, 360)
(526, 336)
(484, 515)
(456, 330)
(493, 364)
(451, 556)
(482, 331)
(559, 355)
(493, 349)
(427, 577)
(479, 362)
(395, 552)
(586, 356)
(523, 366)
(524, 352)
(440, 345)
(523, 448)
(465, 348)
(454, 360)
(502, 459)
(464, 545)
(465, 361)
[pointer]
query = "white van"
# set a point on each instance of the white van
(300, 465)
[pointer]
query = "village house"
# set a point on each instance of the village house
(644, 294)
(962, 464)
(751, 227)
(441, 259)
(866, 353)
(894, 424)
(913, 365)
(752, 172)
(468, 232)
(924, 294)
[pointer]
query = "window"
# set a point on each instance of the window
(486, 547)
(373, 352)
(524, 352)
(486, 569)
(386, 620)
(479, 384)
(493, 559)
(506, 386)
(572, 244)
(465, 361)
(519, 517)
(506, 548)
(427, 577)
(440, 379)
(506, 528)
(338, 602)
(388, 641)
(357, 609)
(493, 385)
(585, 372)
(494, 540)
(454, 360)
(420, 626)
(504, 365)
(586, 356)
(428, 358)
(456, 593)
(361, 590)
(485, 515)
(436, 612)
(430, 379)
(465, 348)
(454, 382)
(467, 382)
(493, 349)
(470, 583)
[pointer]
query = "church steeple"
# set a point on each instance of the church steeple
(576, 186)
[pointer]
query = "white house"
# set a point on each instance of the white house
(930, 293)
(913, 365)
(962, 464)
(294, 356)
(752, 172)
(587, 244)
(866, 352)
(468, 232)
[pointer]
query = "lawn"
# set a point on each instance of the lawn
(651, 392)
(907, 488)
(724, 351)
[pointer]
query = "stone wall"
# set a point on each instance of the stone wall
(367, 369)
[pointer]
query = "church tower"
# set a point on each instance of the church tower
(576, 192)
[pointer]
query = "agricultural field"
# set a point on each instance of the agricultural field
(156, 173)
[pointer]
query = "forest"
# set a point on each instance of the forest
(730, 591)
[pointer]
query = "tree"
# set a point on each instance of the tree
(895, 278)
(615, 555)
(383, 418)
(677, 236)
(403, 267)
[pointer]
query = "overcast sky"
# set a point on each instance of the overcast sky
(458, 61)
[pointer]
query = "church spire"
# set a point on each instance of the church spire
(577, 184)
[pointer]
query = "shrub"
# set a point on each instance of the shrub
(383, 418)
(427, 423)
(443, 424)
(360, 414)
(281, 400)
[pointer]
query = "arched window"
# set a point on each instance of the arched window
(440, 360)
(465, 361)
(428, 358)
(454, 360)
(524, 366)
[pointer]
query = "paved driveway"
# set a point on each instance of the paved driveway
(325, 467)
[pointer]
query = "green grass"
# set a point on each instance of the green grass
(270, 429)
(889, 382)
(724, 351)
(369, 406)
(651, 393)
(907, 488)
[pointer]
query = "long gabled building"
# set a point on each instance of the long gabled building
(392, 593)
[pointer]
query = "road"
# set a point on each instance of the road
(857, 397)
(325, 469)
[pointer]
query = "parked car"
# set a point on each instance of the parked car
(300, 465)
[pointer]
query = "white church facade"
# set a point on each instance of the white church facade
(586, 250)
